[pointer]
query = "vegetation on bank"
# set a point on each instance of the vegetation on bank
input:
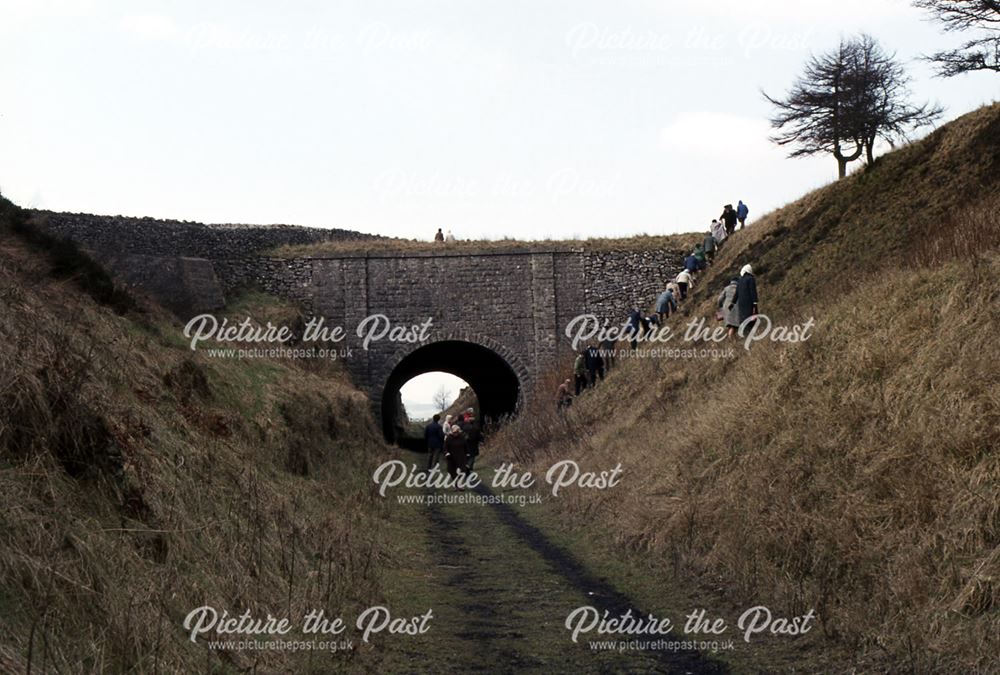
(140, 480)
(856, 473)
(406, 246)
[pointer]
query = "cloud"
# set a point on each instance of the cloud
(149, 26)
(716, 135)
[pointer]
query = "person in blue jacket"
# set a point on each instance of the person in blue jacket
(665, 305)
(691, 263)
(741, 213)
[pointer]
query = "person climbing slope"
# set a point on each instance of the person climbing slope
(746, 298)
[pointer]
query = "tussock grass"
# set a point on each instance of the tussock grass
(140, 480)
(856, 473)
(508, 245)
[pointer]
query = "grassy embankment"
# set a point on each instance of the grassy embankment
(856, 473)
(140, 480)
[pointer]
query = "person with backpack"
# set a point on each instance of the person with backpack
(434, 438)
(741, 213)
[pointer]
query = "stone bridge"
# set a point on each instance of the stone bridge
(498, 316)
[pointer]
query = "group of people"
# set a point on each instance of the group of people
(457, 439)
(440, 237)
(736, 303)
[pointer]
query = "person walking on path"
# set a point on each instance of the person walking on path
(633, 327)
(434, 437)
(580, 372)
(473, 436)
(691, 263)
(685, 281)
(729, 219)
(727, 300)
(455, 446)
(665, 305)
(741, 213)
(709, 247)
(446, 427)
(439, 236)
(746, 297)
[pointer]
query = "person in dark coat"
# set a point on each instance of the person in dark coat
(595, 364)
(691, 263)
(634, 327)
(455, 448)
(746, 296)
(729, 218)
(473, 437)
(434, 437)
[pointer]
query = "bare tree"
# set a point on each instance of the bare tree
(442, 398)
(977, 53)
(815, 116)
(881, 97)
(845, 101)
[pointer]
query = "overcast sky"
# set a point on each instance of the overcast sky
(515, 118)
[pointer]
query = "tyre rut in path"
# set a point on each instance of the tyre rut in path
(512, 590)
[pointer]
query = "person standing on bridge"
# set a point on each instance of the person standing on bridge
(741, 213)
(434, 437)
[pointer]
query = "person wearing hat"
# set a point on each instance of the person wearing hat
(746, 296)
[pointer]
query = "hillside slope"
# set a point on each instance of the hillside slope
(140, 480)
(856, 473)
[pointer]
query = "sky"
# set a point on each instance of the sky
(511, 118)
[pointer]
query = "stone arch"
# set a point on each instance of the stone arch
(497, 375)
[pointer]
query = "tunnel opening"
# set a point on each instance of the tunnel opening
(495, 384)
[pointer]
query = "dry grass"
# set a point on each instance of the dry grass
(408, 246)
(856, 473)
(140, 480)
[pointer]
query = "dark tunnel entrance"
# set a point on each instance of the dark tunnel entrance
(494, 382)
